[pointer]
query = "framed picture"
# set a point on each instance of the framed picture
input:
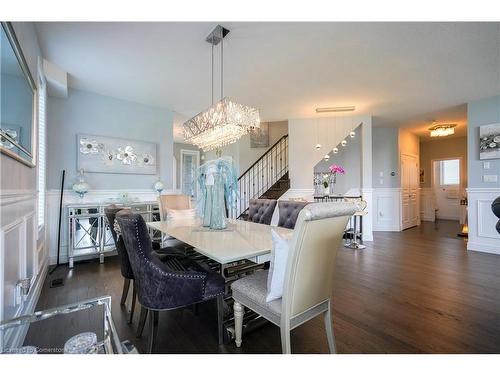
(260, 137)
(489, 141)
(100, 154)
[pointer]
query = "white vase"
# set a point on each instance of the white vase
(327, 190)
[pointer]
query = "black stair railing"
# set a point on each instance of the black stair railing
(261, 175)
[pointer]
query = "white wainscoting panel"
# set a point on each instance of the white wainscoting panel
(386, 212)
(368, 195)
(20, 258)
(427, 204)
(482, 233)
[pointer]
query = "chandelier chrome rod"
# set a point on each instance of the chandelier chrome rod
(212, 73)
(221, 64)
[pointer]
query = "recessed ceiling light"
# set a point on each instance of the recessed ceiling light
(348, 108)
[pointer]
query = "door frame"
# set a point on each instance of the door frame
(461, 168)
(417, 188)
(188, 152)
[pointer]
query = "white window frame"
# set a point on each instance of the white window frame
(41, 150)
(197, 155)
(441, 178)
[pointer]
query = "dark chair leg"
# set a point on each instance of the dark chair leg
(142, 321)
(153, 321)
(126, 285)
(196, 310)
(220, 319)
(132, 308)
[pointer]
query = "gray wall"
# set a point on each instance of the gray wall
(348, 157)
(385, 157)
(481, 112)
(84, 112)
(15, 175)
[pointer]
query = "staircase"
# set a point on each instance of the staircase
(266, 178)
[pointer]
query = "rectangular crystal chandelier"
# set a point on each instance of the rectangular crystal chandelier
(221, 124)
(442, 130)
(225, 121)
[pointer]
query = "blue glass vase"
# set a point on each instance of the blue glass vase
(207, 212)
(218, 214)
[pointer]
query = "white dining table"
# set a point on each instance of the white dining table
(239, 241)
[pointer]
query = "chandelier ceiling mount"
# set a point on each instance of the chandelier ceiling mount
(223, 122)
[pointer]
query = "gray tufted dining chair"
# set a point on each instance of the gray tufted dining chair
(166, 285)
(261, 210)
(308, 278)
(125, 267)
(289, 212)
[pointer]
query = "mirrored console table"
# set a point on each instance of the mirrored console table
(88, 228)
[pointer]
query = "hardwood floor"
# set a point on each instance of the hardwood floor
(417, 291)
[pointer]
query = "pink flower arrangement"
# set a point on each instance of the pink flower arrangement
(334, 169)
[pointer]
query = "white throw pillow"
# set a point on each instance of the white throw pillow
(188, 213)
(277, 269)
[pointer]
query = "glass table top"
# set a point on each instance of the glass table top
(48, 331)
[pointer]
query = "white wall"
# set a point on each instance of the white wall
(22, 247)
(243, 155)
(304, 135)
(348, 157)
(302, 140)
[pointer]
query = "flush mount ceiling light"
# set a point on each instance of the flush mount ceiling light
(225, 121)
(348, 108)
(442, 130)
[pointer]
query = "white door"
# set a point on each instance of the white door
(446, 186)
(190, 161)
(409, 191)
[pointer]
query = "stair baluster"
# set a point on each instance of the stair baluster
(267, 177)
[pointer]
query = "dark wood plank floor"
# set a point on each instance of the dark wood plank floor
(418, 291)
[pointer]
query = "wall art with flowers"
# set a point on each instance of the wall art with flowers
(100, 154)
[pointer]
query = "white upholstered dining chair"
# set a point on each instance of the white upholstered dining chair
(173, 202)
(309, 275)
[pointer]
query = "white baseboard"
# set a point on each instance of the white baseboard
(483, 248)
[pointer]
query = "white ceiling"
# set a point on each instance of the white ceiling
(404, 74)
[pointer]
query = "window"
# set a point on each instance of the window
(449, 172)
(189, 165)
(42, 94)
